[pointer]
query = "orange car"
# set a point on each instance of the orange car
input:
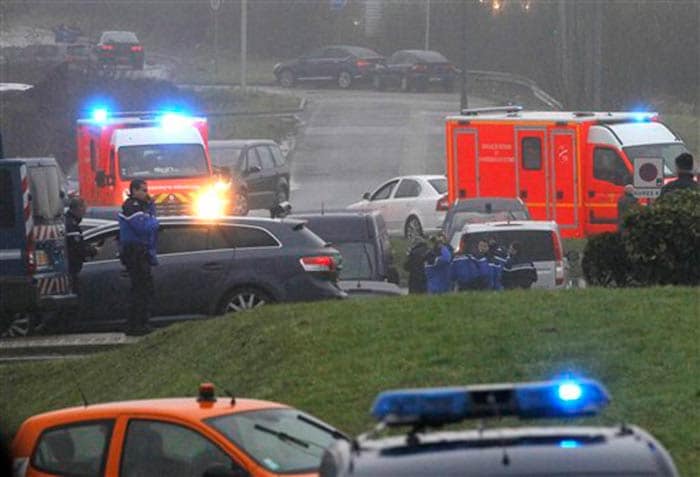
(181, 437)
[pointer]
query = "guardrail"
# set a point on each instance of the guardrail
(490, 80)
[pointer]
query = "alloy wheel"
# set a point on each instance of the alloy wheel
(287, 79)
(413, 228)
(344, 79)
(245, 300)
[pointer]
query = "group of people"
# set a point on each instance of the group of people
(138, 229)
(435, 268)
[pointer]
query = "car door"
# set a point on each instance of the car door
(405, 202)
(104, 286)
(380, 200)
(311, 65)
(269, 172)
(188, 271)
(255, 179)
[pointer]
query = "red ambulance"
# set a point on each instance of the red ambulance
(570, 167)
(170, 151)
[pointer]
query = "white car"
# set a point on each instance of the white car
(540, 241)
(410, 205)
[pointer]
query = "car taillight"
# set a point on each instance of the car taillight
(31, 256)
(362, 63)
(419, 68)
(41, 259)
(443, 204)
(558, 260)
(320, 263)
(137, 48)
(107, 47)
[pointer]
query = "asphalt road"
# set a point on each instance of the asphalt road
(353, 140)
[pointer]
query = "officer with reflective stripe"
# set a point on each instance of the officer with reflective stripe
(138, 228)
(78, 249)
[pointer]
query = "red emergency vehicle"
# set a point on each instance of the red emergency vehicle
(170, 151)
(570, 167)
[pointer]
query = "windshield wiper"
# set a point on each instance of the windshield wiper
(284, 437)
(333, 432)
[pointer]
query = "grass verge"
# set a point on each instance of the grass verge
(332, 358)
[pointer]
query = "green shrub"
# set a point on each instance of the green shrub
(605, 261)
(663, 241)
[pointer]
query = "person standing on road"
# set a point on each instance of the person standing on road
(625, 203)
(138, 228)
(517, 271)
(437, 267)
(684, 168)
(417, 282)
(78, 249)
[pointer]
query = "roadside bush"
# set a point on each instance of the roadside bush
(605, 261)
(663, 241)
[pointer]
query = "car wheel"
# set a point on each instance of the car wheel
(242, 207)
(287, 79)
(377, 83)
(17, 325)
(405, 84)
(244, 299)
(344, 80)
(280, 196)
(413, 228)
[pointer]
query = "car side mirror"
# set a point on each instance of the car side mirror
(220, 470)
(365, 196)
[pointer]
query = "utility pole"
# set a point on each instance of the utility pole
(427, 25)
(244, 43)
(463, 100)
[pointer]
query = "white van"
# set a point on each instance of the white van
(540, 241)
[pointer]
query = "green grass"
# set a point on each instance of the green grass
(332, 358)
(201, 68)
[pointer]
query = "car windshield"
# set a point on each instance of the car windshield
(226, 156)
(162, 161)
(357, 264)
(280, 440)
(45, 188)
(536, 245)
(460, 219)
(667, 152)
(119, 37)
(363, 52)
(440, 185)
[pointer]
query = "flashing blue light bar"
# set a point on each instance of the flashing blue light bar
(99, 115)
(437, 406)
(175, 121)
(568, 444)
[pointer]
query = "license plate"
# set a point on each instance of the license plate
(434, 79)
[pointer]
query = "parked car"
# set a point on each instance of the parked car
(411, 205)
(342, 64)
(120, 48)
(210, 267)
(426, 441)
(34, 280)
(540, 244)
(363, 241)
(202, 436)
(483, 209)
(258, 164)
(415, 70)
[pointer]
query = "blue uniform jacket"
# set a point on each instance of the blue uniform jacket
(138, 225)
(437, 271)
(464, 270)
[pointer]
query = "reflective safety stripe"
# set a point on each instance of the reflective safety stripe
(11, 254)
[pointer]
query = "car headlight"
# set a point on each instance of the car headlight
(212, 201)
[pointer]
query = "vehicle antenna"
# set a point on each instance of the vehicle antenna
(491, 399)
(322, 208)
(75, 377)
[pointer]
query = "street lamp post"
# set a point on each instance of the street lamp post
(427, 25)
(463, 100)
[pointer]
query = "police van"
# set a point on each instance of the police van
(574, 451)
(33, 270)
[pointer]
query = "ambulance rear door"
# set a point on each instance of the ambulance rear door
(564, 183)
(465, 144)
(533, 171)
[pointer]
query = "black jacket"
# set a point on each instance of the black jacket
(78, 249)
(414, 266)
(684, 181)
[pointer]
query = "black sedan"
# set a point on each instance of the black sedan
(415, 70)
(120, 48)
(344, 65)
(209, 267)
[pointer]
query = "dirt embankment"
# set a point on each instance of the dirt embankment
(41, 121)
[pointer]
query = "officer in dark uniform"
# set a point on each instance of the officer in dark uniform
(517, 271)
(78, 249)
(417, 283)
(684, 167)
(138, 228)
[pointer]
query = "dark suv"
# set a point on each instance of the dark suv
(260, 164)
(363, 241)
(120, 48)
(210, 267)
(342, 64)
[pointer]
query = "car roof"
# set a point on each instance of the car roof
(512, 225)
(478, 204)
(185, 408)
(425, 177)
(361, 51)
(532, 451)
(428, 55)
(240, 142)
(341, 226)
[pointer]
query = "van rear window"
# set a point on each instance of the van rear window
(45, 187)
(536, 245)
(7, 206)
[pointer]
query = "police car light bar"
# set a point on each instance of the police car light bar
(438, 406)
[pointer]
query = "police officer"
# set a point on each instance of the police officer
(138, 228)
(684, 167)
(78, 249)
(518, 272)
(625, 203)
(437, 266)
(414, 266)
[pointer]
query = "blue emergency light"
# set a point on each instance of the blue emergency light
(438, 406)
(99, 115)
